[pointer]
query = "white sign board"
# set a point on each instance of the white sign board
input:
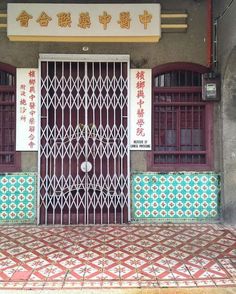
(141, 109)
(27, 109)
(84, 22)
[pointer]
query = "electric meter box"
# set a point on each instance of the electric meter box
(210, 87)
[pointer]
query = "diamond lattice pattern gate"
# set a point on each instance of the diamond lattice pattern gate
(84, 170)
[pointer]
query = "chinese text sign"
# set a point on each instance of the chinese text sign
(140, 109)
(27, 109)
(108, 22)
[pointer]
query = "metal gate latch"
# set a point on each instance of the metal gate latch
(86, 166)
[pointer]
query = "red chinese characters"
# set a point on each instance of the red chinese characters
(23, 103)
(32, 107)
(140, 101)
(28, 107)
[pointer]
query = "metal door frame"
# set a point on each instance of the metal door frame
(86, 58)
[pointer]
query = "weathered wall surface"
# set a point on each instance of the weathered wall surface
(224, 17)
(229, 138)
(226, 30)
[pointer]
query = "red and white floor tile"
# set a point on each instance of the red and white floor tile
(123, 256)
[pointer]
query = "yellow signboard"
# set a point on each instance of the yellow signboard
(84, 22)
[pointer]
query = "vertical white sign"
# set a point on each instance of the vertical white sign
(27, 109)
(141, 109)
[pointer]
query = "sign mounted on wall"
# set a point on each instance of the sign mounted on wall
(140, 109)
(84, 22)
(27, 109)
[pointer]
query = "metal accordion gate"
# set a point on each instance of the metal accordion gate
(84, 153)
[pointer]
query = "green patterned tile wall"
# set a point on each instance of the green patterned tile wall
(17, 198)
(176, 196)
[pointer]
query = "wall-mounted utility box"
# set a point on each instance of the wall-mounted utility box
(210, 87)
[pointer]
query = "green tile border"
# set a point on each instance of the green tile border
(148, 195)
(16, 191)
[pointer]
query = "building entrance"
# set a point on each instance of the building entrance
(84, 154)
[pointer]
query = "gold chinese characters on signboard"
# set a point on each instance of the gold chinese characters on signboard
(104, 19)
(124, 20)
(64, 19)
(24, 18)
(84, 20)
(44, 19)
(145, 18)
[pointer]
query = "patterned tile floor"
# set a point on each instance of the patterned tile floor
(123, 256)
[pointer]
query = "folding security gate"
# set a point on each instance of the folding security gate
(84, 155)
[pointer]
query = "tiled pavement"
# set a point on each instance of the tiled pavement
(117, 256)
